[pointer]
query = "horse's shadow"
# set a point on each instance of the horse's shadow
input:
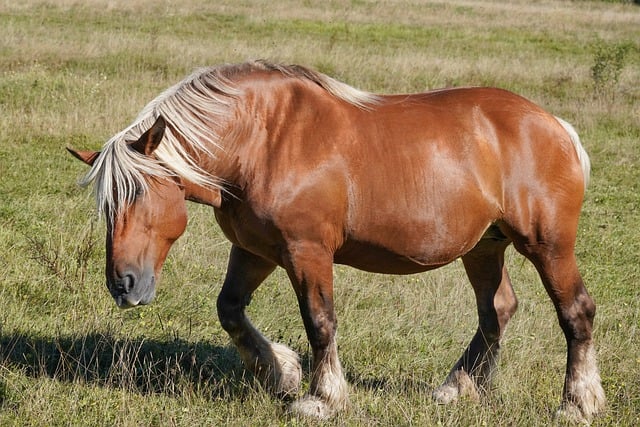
(145, 366)
(172, 367)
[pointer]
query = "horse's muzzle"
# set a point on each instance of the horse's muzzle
(130, 290)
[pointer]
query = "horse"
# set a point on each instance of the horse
(304, 171)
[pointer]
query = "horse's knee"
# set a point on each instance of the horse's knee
(320, 323)
(230, 312)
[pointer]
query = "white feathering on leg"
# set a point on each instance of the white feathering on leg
(584, 394)
(276, 365)
(329, 392)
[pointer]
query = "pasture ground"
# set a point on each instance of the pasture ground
(74, 73)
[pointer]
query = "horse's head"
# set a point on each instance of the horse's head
(141, 233)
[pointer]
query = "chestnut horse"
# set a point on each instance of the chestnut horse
(303, 171)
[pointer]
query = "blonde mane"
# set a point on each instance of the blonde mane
(191, 109)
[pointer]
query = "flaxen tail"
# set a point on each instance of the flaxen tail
(582, 154)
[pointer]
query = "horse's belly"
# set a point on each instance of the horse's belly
(377, 259)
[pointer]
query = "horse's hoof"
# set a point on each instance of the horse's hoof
(572, 415)
(312, 407)
(459, 384)
(288, 371)
(445, 394)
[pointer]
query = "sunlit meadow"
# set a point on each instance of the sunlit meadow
(74, 73)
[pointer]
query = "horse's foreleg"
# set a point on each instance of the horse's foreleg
(311, 273)
(277, 366)
(496, 303)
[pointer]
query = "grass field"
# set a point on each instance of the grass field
(74, 73)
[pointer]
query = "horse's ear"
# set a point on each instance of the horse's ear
(88, 157)
(150, 140)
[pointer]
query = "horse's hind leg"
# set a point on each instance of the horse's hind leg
(275, 364)
(496, 303)
(554, 258)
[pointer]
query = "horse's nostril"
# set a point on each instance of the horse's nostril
(127, 283)
(124, 284)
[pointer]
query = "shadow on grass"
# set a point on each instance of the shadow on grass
(174, 368)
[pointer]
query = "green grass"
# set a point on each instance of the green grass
(75, 73)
